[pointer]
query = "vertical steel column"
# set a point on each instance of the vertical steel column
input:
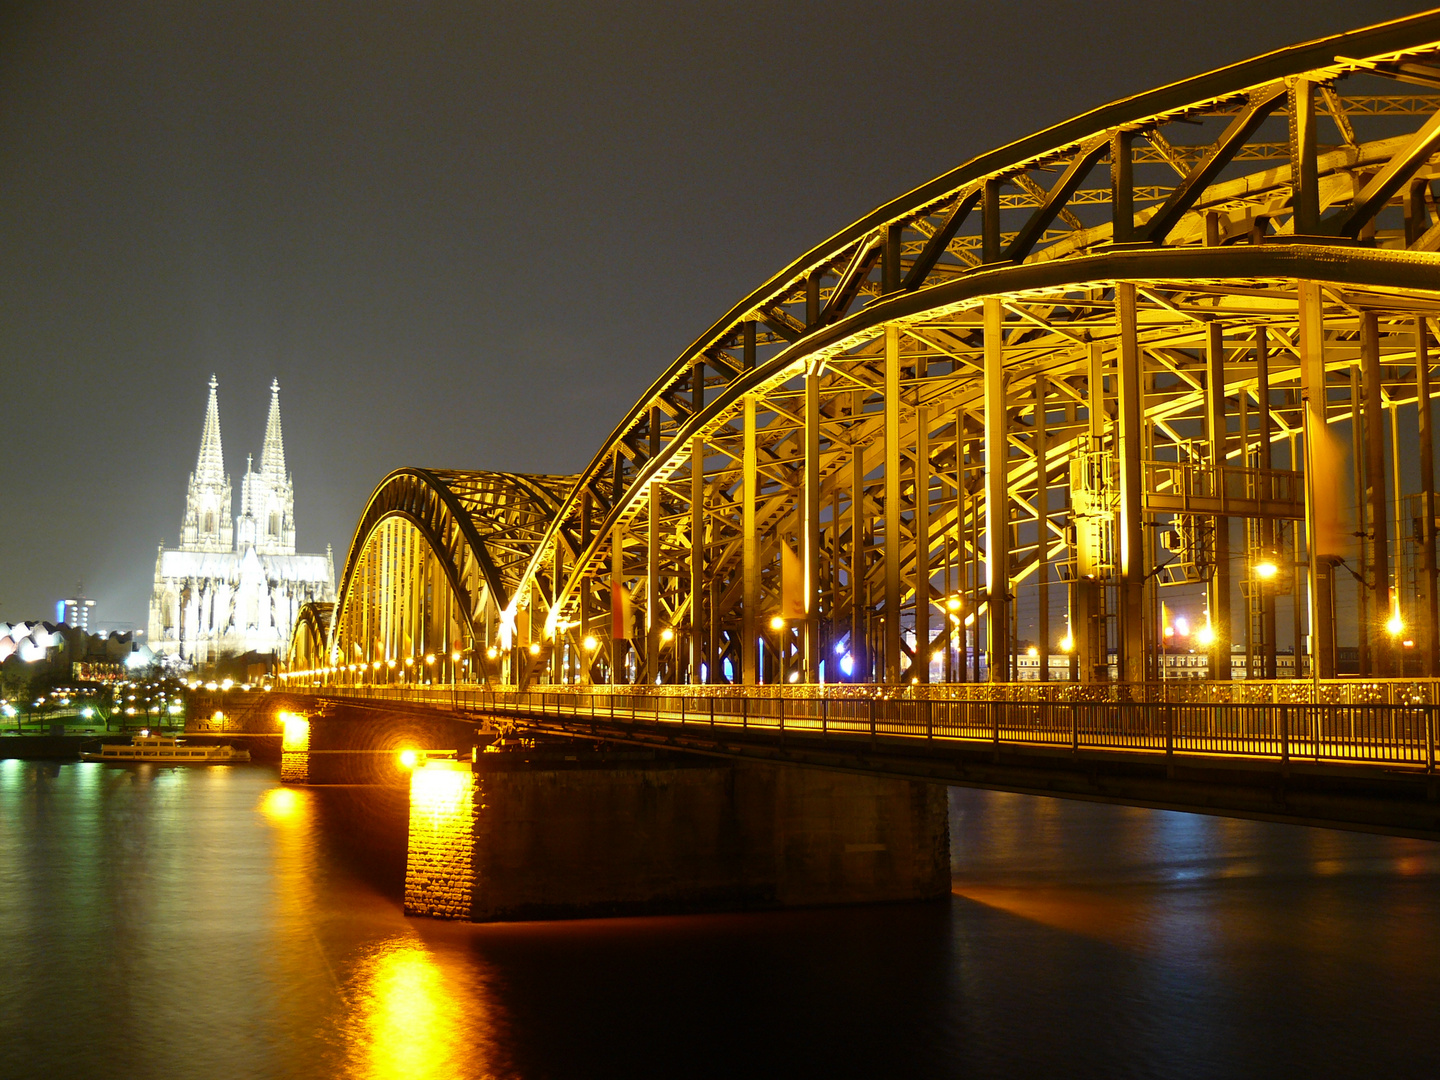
(1130, 408)
(1267, 525)
(922, 533)
(1122, 187)
(619, 632)
(653, 570)
(697, 532)
(1042, 526)
(1312, 393)
(892, 503)
(997, 496)
(1429, 600)
(811, 534)
(1219, 598)
(990, 221)
(750, 550)
(1362, 567)
(1380, 645)
(1303, 167)
(858, 519)
(1087, 630)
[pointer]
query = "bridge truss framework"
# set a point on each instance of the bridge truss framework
(1177, 347)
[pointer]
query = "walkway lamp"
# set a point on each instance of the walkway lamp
(1266, 570)
(590, 643)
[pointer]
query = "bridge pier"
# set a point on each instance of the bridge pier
(507, 837)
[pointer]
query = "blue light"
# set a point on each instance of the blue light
(847, 664)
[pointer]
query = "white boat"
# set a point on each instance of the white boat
(166, 750)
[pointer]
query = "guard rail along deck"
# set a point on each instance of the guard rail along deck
(1397, 734)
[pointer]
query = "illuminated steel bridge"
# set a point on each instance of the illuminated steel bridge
(1155, 366)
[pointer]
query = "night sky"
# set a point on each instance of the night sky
(461, 235)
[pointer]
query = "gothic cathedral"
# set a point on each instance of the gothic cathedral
(234, 586)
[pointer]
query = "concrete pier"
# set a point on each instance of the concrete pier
(507, 839)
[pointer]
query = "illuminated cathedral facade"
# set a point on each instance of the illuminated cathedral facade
(234, 585)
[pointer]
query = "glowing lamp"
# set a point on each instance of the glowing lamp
(534, 648)
(667, 634)
(1266, 571)
(409, 661)
(409, 758)
(953, 603)
(1206, 635)
(590, 643)
(454, 657)
(777, 623)
(492, 652)
(1067, 643)
(1396, 625)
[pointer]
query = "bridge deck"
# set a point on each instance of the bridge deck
(1393, 735)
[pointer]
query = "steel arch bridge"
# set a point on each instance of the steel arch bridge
(1166, 355)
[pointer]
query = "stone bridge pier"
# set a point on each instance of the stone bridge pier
(564, 828)
(582, 832)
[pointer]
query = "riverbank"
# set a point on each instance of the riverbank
(52, 747)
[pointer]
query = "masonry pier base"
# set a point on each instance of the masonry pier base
(616, 834)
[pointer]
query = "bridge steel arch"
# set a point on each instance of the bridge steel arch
(310, 640)
(435, 560)
(1135, 357)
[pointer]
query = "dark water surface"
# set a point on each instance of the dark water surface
(209, 923)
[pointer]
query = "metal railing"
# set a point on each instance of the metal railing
(1399, 733)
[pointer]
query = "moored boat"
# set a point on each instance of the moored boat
(165, 750)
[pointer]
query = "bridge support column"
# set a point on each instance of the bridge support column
(1320, 506)
(1219, 591)
(892, 504)
(501, 839)
(997, 496)
(1130, 408)
(813, 647)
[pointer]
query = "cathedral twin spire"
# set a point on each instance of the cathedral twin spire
(267, 502)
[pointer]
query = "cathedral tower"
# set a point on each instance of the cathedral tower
(207, 525)
(267, 497)
(234, 586)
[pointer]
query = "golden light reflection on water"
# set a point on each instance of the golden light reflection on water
(411, 1018)
(346, 964)
(280, 805)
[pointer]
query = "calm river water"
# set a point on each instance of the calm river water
(209, 923)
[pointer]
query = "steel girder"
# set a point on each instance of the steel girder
(1154, 353)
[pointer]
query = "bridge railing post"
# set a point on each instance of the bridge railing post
(1430, 739)
(1285, 738)
(872, 722)
(712, 709)
(744, 713)
(929, 719)
(824, 716)
(994, 707)
(1074, 727)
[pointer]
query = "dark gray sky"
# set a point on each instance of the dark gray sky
(461, 235)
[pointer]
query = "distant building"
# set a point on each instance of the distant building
(63, 649)
(75, 610)
(235, 586)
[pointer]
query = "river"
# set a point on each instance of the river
(160, 922)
